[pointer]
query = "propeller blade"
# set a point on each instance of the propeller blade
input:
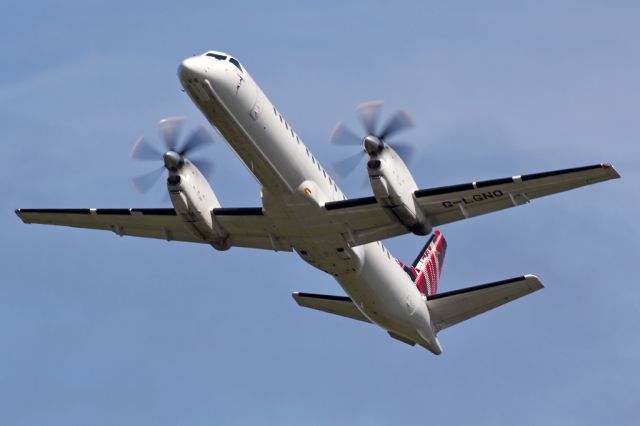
(143, 183)
(198, 139)
(206, 167)
(369, 113)
(169, 128)
(405, 150)
(346, 166)
(341, 135)
(401, 120)
(143, 150)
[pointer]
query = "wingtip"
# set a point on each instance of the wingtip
(19, 214)
(612, 170)
(534, 280)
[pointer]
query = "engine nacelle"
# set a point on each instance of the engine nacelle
(393, 186)
(194, 201)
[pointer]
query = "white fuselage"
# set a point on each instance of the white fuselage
(295, 188)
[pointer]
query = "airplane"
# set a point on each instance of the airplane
(303, 209)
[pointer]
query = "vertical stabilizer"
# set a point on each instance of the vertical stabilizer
(428, 265)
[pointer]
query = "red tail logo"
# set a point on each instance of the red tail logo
(427, 267)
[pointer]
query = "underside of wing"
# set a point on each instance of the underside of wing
(452, 203)
(246, 227)
(338, 305)
(162, 223)
(249, 227)
(447, 309)
(363, 220)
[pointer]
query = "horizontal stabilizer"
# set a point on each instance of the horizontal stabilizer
(452, 307)
(338, 305)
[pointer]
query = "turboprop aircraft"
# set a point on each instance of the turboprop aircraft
(303, 210)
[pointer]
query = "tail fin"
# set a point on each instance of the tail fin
(428, 265)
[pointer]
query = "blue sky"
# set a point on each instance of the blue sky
(97, 329)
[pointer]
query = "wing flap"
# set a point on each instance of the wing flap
(250, 228)
(362, 220)
(337, 305)
(453, 307)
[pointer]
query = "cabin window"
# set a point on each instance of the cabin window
(280, 115)
(291, 132)
(286, 125)
(307, 151)
(297, 138)
(275, 112)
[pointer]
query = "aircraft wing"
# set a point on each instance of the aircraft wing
(247, 227)
(367, 221)
(452, 203)
(453, 307)
(363, 220)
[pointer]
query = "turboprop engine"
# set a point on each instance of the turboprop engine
(391, 181)
(191, 195)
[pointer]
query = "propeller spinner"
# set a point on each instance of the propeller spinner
(374, 141)
(174, 156)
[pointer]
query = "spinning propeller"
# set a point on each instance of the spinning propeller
(173, 157)
(373, 142)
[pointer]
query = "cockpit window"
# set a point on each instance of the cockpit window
(217, 56)
(236, 63)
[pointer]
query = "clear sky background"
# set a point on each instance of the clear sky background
(101, 330)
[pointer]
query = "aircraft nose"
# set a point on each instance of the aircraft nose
(190, 68)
